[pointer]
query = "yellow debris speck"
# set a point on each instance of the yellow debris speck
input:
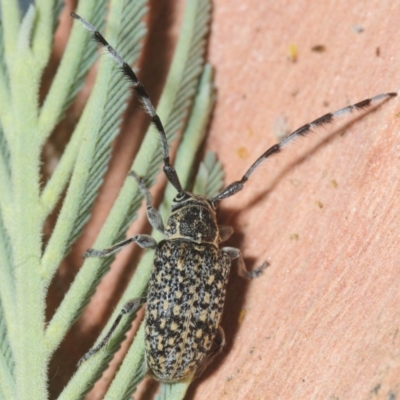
(318, 48)
(241, 316)
(295, 182)
(293, 53)
(242, 152)
(319, 204)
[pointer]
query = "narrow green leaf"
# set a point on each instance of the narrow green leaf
(210, 178)
(99, 124)
(7, 383)
(10, 16)
(26, 28)
(193, 136)
(5, 348)
(7, 289)
(78, 57)
(58, 6)
(174, 391)
(42, 38)
(4, 111)
(128, 378)
(130, 35)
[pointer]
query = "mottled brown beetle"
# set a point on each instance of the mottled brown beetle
(186, 293)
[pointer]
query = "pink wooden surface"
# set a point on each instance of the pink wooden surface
(323, 320)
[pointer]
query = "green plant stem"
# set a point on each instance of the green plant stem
(42, 38)
(11, 22)
(26, 229)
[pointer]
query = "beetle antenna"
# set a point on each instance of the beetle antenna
(144, 98)
(237, 186)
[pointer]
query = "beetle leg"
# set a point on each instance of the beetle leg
(153, 215)
(225, 232)
(144, 241)
(129, 308)
(234, 253)
(216, 348)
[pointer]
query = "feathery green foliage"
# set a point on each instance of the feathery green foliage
(26, 123)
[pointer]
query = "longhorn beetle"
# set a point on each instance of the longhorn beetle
(186, 292)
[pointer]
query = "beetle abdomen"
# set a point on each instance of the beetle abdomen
(184, 306)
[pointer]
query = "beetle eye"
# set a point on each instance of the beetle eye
(181, 197)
